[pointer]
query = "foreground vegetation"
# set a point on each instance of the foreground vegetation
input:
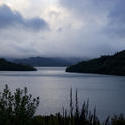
(110, 65)
(18, 108)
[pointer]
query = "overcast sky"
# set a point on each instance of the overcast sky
(79, 28)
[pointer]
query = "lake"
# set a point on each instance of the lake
(52, 85)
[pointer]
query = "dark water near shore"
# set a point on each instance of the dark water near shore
(53, 85)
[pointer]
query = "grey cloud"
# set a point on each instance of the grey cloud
(105, 17)
(116, 25)
(113, 10)
(9, 18)
(101, 18)
(89, 6)
(118, 12)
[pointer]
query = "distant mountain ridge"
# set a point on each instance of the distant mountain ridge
(47, 61)
(110, 65)
(9, 66)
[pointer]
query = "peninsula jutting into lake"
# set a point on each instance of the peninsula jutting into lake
(109, 65)
(9, 66)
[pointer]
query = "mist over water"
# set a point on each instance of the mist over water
(52, 85)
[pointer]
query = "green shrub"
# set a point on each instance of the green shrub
(17, 108)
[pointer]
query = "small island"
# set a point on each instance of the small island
(9, 66)
(109, 65)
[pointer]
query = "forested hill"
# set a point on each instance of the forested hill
(9, 66)
(110, 65)
(47, 61)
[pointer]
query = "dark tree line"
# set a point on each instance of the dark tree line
(110, 65)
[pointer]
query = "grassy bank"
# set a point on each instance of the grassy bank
(19, 107)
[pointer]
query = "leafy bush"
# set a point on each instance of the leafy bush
(17, 108)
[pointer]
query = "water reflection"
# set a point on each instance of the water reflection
(52, 84)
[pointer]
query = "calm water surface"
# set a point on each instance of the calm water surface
(52, 85)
